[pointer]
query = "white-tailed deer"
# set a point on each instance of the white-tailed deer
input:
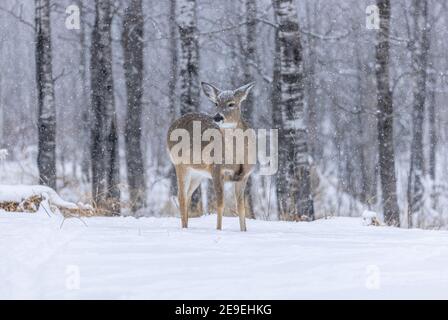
(190, 174)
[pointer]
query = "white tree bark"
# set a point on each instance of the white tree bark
(46, 158)
(132, 38)
(385, 119)
(189, 56)
(189, 72)
(85, 101)
(172, 83)
(293, 181)
(105, 162)
(420, 51)
(248, 108)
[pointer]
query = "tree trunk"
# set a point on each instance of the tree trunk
(172, 93)
(189, 57)
(360, 140)
(293, 182)
(104, 144)
(432, 83)
(85, 103)
(311, 81)
(249, 75)
(432, 124)
(419, 49)
(385, 119)
(46, 157)
(189, 73)
(132, 38)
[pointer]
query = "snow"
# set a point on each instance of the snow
(369, 214)
(46, 257)
(370, 218)
(18, 193)
(3, 154)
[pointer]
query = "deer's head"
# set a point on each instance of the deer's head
(227, 102)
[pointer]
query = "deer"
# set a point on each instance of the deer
(190, 175)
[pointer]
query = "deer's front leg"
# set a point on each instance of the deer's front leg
(240, 186)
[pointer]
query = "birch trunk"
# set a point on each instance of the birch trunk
(385, 119)
(85, 89)
(104, 144)
(419, 49)
(132, 40)
(249, 74)
(46, 157)
(172, 83)
(432, 123)
(189, 73)
(293, 182)
(189, 57)
(312, 85)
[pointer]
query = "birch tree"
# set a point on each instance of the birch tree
(104, 144)
(132, 41)
(189, 72)
(85, 89)
(293, 181)
(172, 82)
(311, 79)
(419, 54)
(189, 56)
(249, 75)
(46, 157)
(385, 118)
(432, 123)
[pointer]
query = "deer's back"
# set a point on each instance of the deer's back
(186, 122)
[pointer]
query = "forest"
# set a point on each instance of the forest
(94, 206)
(88, 90)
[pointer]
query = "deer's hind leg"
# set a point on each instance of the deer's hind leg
(195, 182)
(218, 185)
(240, 187)
(183, 182)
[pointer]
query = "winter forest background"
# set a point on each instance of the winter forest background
(351, 84)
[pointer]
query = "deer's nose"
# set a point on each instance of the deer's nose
(218, 117)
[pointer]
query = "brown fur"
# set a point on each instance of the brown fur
(228, 104)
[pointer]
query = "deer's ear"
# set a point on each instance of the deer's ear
(242, 92)
(210, 91)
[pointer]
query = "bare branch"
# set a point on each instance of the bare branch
(250, 62)
(19, 17)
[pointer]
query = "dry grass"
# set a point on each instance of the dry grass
(30, 205)
(294, 217)
(375, 222)
(69, 213)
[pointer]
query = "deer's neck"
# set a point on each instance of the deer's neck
(240, 124)
(229, 125)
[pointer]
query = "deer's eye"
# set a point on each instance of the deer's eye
(216, 103)
(231, 104)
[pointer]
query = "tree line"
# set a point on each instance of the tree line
(288, 65)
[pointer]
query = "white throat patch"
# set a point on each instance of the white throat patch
(228, 125)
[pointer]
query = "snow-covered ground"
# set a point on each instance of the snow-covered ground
(153, 258)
